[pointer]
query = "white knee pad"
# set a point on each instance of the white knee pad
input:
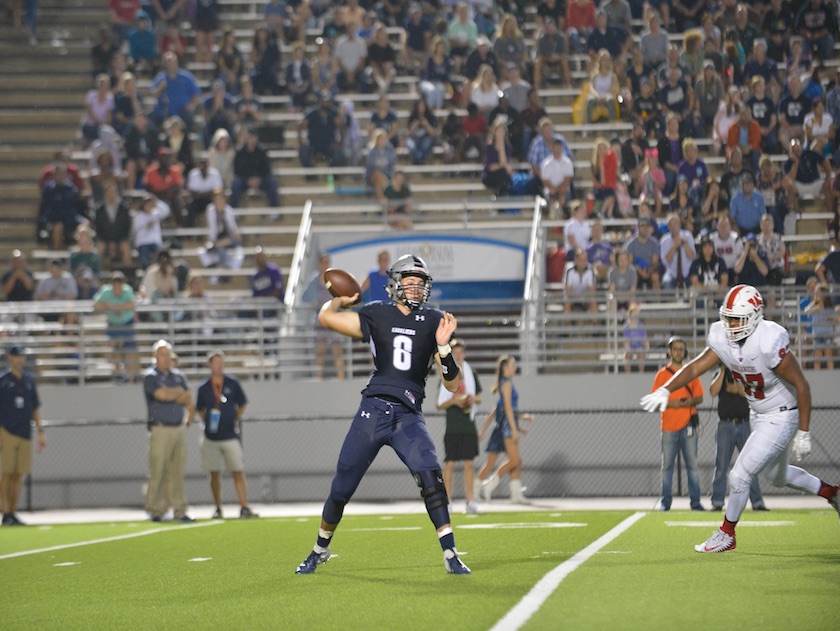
(739, 479)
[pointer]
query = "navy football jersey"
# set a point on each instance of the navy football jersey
(403, 347)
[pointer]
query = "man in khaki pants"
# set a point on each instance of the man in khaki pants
(169, 403)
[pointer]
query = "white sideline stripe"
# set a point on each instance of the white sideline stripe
(548, 524)
(533, 600)
(395, 528)
(80, 544)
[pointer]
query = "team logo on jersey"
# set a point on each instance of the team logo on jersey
(419, 318)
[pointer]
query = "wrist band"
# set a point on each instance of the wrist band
(444, 350)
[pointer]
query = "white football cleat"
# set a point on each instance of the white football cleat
(718, 542)
(472, 508)
(488, 486)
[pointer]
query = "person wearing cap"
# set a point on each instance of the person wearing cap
(18, 282)
(557, 173)
(747, 207)
(19, 408)
(202, 180)
(461, 438)
(165, 181)
(252, 170)
(221, 402)
(169, 404)
(117, 300)
(678, 433)
(58, 285)
(176, 90)
(142, 45)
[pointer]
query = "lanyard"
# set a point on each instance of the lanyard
(217, 393)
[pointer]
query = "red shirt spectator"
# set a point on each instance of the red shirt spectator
(580, 15)
(610, 169)
(72, 173)
(123, 10)
(163, 178)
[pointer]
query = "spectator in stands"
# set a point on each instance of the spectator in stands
(59, 213)
(680, 203)
(643, 250)
(636, 343)
(58, 285)
(580, 21)
(498, 170)
(381, 162)
(654, 42)
(221, 156)
(792, 110)
(833, 202)
(70, 167)
(693, 56)
(604, 177)
(159, 283)
(676, 250)
(695, 171)
(803, 167)
(481, 55)
(530, 118)
(726, 115)
(763, 111)
(324, 70)
(202, 181)
(777, 26)
(142, 45)
(252, 170)
(323, 125)
(798, 60)
(775, 190)
(510, 115)
(747, 207)
(223, 239)
(163, 12)
(599, 253)
(384, 117)
(578, 231)
(646, 108)
(484, 91)
(112, 223)
(99, 108)
(551, 55)
(708, 273)
(299, 78)
(708, 97)
(103, 51)
(823, 320)
(18, 281)
(633, 157)
(118, 302)
(770, 245)
(267, 281)
(265, 61)
(751, 268)
(351, 62)
(229, 62)
(728, 246)
(382, 57)
(618, 13)
(127, 104)
(145, 227)
(219, 112)
(827, 271)
(108, 139)
(248, 107)
(556, 174)
(461, 35)
(612, 38)
(205, 23)
(121, 16)
(603, 90)
(436, 76)
(416, 36)
(670, 152)
(166, 181)
(746, 134)
(652, 181)
(745, 29)
(731, 181)
(84, 255)
(540, 149)
(580, 286)
(509, 46)
(141, 145)
(174, 41)
(398, 202)
(819, 129)
(815, 23)
(470, 145)
(762, 66)
(622, 279)
(352, 143)
(423, 131)
(677, 99)
(177, 92)
(104, 172)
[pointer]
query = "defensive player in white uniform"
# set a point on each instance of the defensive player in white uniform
(757, 352)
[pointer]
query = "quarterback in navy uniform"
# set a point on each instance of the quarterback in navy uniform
(404, 337)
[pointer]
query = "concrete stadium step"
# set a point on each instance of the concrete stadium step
(45, 136)
(19, 235)
(41, 117)
(77, 83)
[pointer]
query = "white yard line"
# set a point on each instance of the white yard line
(534, 599)
(80, 544)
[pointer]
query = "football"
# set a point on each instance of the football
(341, 283)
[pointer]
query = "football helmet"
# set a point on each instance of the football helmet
(744, 304)
(409, 265)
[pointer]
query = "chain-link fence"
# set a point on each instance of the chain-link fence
(574, 453)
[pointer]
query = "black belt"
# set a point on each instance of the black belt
(735, 420)
(785, 408)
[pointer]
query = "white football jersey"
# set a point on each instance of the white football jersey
(752, 364)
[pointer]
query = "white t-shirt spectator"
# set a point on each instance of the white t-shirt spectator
(728, 249)
(582, 232)
(196, 183)
(146, 226)
(555, 171)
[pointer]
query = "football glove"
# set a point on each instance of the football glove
(802, 445)
(657, 400)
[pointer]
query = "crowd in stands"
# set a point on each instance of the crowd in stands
(756, 85)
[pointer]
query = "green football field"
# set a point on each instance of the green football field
(535, 570)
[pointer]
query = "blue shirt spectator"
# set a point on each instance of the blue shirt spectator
(176, 90)
(747, 207)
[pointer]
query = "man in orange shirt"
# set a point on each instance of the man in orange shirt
(166, 181)
(677, 431)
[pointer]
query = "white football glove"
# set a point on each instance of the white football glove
(802, 445)
(657, 400)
